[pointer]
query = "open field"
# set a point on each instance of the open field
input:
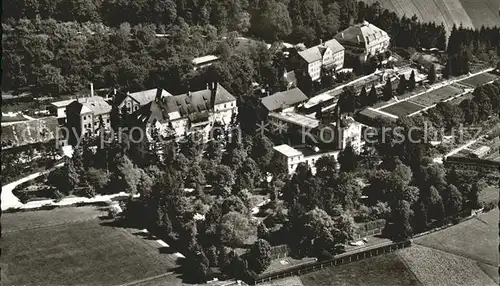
(476, 238)
(469, 13)
(385, 269)
(448, 12)
(71, 246)
(435, 267)
(403, 108)
(479, 79)
(482, 12)
(436, 96)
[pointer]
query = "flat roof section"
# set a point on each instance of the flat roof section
(287, 150)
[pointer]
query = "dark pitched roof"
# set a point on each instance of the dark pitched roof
(29, 132)
(118, 98)
(195, 105)
(283, 99)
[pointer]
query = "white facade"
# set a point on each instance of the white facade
(314, 70)
(364, 40)
(293, 157)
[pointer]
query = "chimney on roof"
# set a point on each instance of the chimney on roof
(342, 34)
(114, 91)
(91, 89)
(321, 41)
(359, 39)
(208, 86)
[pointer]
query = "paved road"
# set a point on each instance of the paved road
(9, 200)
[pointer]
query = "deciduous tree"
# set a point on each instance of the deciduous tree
(259, 257)
(235, 228)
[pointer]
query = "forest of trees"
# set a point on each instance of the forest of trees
(59, 46)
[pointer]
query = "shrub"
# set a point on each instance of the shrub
(24, 196)
(488, 206)
(88, 191)
(57, 195)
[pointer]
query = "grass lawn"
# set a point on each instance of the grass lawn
(289, 281)
(489, 194)
(476, 238)
(385, 269)
(70, 246)
(479, 79)
(436, 267)
(403, 108)
(436, 96)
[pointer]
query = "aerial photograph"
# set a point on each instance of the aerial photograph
(250, 142)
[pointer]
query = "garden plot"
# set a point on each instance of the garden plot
(436, 96)
(403, 108)
(479, 79)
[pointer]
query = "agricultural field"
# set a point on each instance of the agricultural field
(448, 12)
(469, 13)
(436, 267)
(476, 239)
(77, 247)
(436, 96)
(482, 12)
(402, 108)
(479, 79)
(387, 269)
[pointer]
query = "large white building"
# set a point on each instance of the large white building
(364, 40)
(196, 111)
(314, 131)
(89, 115)
(294, 156)
(324, 57)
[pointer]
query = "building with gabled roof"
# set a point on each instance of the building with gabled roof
(322, 58)
(283, 100)
(133, 101)
(364, 40)
(87, 115)
(182, 114)
(293, 156)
